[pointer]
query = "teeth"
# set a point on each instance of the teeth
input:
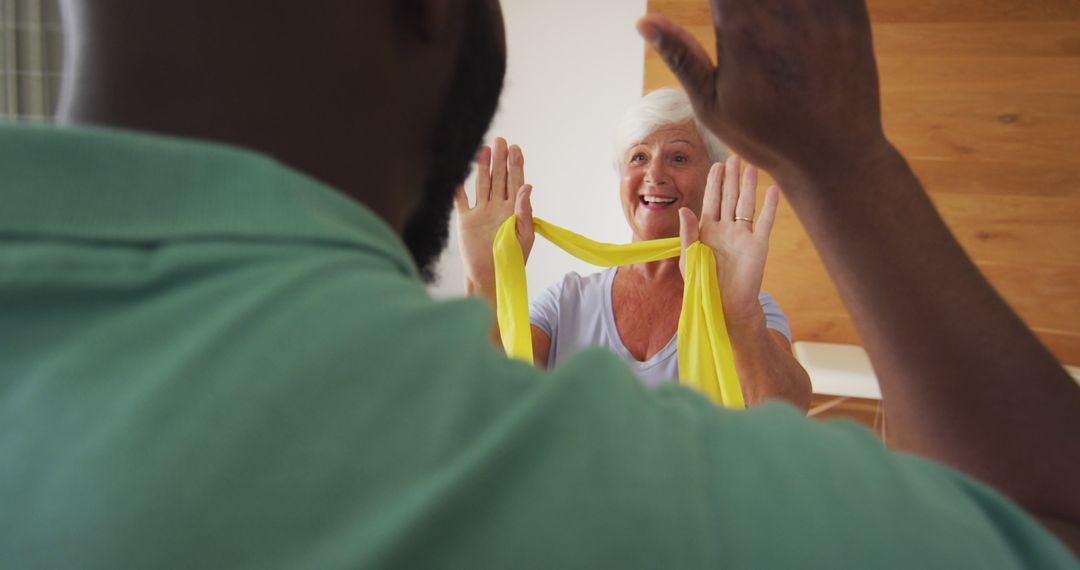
(658, 200)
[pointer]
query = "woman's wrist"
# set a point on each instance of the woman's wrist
(480, 287)
(748, 327)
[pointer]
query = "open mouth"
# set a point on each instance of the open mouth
(656, 202)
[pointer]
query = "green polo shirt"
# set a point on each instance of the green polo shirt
(208, 360)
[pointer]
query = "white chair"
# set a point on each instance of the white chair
(844, 371)
(838, 369)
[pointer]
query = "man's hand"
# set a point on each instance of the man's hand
(500, 192)
(726, 226)
(795, 88)
(964, 381)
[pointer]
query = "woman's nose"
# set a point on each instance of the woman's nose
(654, 173)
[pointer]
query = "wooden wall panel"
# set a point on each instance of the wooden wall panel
(695, 12)
(983, 97)
(1009, 39)
(973, 10)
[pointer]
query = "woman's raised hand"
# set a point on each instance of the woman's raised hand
(740, 245)
(500, 192)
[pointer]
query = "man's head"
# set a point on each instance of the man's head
(466, 114)
(385, 100)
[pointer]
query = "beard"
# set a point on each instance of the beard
(459, 130)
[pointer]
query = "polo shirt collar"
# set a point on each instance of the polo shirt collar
(110, 185)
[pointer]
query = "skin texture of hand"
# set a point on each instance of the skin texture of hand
(799, 94)
(500, 192)
(741, 247)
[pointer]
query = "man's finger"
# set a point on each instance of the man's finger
(684, 56)
(768, 214)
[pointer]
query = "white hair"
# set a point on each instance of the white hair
(662, 108)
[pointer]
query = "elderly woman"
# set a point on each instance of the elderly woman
(669, 172)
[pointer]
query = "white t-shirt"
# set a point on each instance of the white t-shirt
(576, 313)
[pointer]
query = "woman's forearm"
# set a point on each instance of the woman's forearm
(766, 370)
(485, 289)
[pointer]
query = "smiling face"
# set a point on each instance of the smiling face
(663, 172)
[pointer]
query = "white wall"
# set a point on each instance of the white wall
(573, 68)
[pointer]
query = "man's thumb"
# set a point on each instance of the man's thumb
(683, 55)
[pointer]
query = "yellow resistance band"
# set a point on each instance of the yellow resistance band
(706, 361)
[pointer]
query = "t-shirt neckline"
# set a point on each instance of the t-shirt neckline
(613, 330)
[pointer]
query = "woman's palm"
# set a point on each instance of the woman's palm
(726, 226)
(500, 193)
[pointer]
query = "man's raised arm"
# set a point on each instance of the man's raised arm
(795, 90)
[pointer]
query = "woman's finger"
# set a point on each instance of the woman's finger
(526, 233)
(498, 170)
(689, 232)
(730, 194)
(523, 209)
(688, 227)
(768, 214)
(461, 200)
(710, 207)
(483, 175)
(517, 172)
(744, 209)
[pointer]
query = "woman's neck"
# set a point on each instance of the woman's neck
(655, 272)
(658, 271)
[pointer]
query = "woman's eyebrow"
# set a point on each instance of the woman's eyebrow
(643, 143)
(634, 147)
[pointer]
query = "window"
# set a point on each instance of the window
(31, 59)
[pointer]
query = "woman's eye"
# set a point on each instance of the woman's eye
(681, 159)
(637, 157)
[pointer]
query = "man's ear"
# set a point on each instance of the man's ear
(428, 20)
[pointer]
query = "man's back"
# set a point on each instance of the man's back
(211, 360)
